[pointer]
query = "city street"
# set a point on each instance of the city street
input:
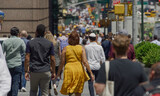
(85, 90)
(110, 39)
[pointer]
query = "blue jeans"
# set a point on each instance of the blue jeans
(23, 76)
(15, 73)
(39, 93)
(90, 83)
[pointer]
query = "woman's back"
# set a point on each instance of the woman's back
(73, 53)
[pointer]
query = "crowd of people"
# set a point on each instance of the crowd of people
(80, 55)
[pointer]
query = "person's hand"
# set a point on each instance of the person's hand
(92, 77)
(53, 76)
(58, 75)
(27, 76)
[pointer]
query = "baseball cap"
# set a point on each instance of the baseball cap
(123, 32)
(92, 35)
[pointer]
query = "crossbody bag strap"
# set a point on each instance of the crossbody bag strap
(75, 54)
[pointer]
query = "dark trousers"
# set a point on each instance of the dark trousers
(90, 83)
(23, 76)
(15, 73)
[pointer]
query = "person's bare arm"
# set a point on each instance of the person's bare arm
(26, 66)
(85, 63)
(53, 64)
(110, 59)
(143, 83)
(62, 61)
(99, 87)
(134, 60)
(60, 52)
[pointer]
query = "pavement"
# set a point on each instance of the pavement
(85, 90)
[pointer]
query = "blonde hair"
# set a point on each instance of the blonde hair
(50, 37)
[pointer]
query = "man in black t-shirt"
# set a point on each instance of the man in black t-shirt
(127, 75)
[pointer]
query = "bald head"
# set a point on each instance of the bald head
(24, 33)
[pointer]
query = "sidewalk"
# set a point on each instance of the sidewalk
(85, 90)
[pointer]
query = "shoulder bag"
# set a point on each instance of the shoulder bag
(109, 89)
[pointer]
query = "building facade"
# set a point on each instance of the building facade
(24, 14)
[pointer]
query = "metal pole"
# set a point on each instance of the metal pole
(134, 22)
(117, 23)
(98, 9)
(156, 17)
(110, 22)
(125, 15)
(142, 22)
(104, 30)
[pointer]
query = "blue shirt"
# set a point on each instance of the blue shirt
(23, 54)
(83, 30)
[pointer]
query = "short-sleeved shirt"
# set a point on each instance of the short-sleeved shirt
(95, 55)
(127, 75)
(23, 54)
(13, 47)
(40, 49)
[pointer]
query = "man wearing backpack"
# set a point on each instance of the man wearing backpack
(152, 88)
(63, 41)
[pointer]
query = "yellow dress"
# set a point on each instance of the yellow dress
(74, 73)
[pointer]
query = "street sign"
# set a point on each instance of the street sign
(144, 3)
(119, 9)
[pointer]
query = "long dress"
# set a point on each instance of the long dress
(74, 72)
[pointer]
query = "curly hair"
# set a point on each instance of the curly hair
(73, 38)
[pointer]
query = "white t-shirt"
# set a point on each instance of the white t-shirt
(156, 42)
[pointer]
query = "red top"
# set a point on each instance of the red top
(130, 54)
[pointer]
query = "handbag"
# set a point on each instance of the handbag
(109, 89)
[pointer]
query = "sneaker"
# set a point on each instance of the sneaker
(55, 89)
(23, 89)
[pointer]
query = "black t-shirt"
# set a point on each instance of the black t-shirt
(127, 75)
(140, 90)
(40, 49)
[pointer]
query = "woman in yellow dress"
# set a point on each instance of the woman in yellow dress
(74, 73)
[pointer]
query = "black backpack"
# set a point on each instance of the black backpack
(151, 90)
